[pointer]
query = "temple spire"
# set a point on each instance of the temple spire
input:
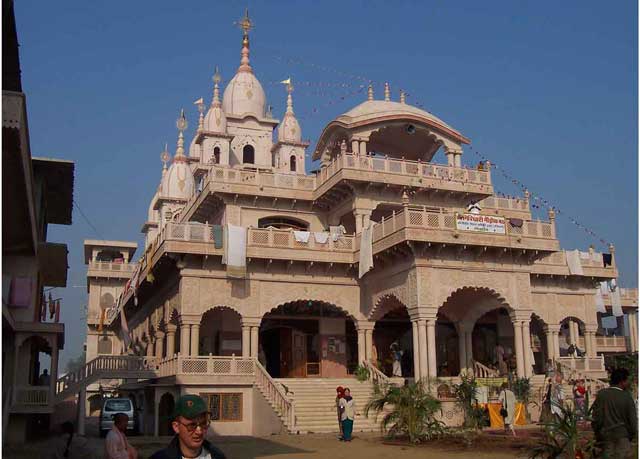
(246, 25)
(181, 124)
(289, 97)
(200, 104)
(217, 78)
(165, 158)
(387, 92)
(370, 92)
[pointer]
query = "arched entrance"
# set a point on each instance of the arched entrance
(538, 345)
(447, 352)
(308, 338)
(571, 333)
(493, 341)
(220, 332)
(393, 338)
(165, 409)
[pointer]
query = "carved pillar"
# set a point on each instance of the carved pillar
(468, 337)
(195, 340)
(255, 347)
(431, 347)
(462, 344)
(150, 347)
(185, 338)
(361, 346)
(363, 148)
(422, 344)
(159, 344)
(368, 344)
(355, 149)
(246, 341)
(573, 338)
(171, 340)
(517, 328)
(526, 348)
(458, 160)
(556, 342)
(549, 333)
(588, 344)
(416, 350)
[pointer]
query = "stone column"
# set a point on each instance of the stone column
(363, 148)
(355, 149)
(368, 344)
(462, 344)
(150, 347)
(556, 342)
(468, 337)
(195, 340)
(633, 331)
(416, 350)
(254, 341)
(185, 338)
(548, 331)
(422, 344)
(517, 328)
(450, 158)
(588, 343)
(82, 401)
(458, 160)
(171, 340)
(431, 347)
(526, 347)
(361, 346)
(159, 344)
(246, 341)
(573, 339)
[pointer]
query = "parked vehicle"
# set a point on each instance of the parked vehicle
(112, 406)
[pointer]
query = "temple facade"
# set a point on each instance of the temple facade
(256, 275)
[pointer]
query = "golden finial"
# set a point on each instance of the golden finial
(245, 23)
(370, 92)
(164, 156)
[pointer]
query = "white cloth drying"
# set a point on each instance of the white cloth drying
(235, 251)
(585, 255)
(599, 298)
(573, 260)
(616, 302)
(302, 236)
(321, 237)
(366, 250)
(337, 232)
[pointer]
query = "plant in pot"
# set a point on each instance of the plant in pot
(522, 390)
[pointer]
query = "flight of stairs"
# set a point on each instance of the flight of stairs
(315, 405)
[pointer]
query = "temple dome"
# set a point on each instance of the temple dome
(376, 108)
(178, 183)
(289, 129)
(215, 120)
(244, 96)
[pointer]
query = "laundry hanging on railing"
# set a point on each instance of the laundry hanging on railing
(616, 302)
(337, 232)
(600, 299)
(585, 255)
(217, 236)
(366, 250)
(573, 260)
(321, 237)
(124, 328)
(235, 251)
(302, 236)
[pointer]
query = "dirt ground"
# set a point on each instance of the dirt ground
(370, 446)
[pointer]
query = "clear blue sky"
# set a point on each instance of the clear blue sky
(547, 90)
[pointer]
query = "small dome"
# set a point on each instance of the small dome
(289, 129)
(215, 120)
(178, 183)
(152, 213)
(244, 95)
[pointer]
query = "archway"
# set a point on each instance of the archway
(571, 333)
(165, 409)
(447, 352)
(493, 341)
(36, 352)
(220, 332)
(538, 344)
(308, 338)
(392, 338)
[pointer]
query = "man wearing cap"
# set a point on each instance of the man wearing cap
(190, 423)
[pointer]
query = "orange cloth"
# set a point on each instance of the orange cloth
(496, 420)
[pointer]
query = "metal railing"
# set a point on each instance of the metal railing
(284, 406)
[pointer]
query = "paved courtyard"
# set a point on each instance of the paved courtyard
(297, 446)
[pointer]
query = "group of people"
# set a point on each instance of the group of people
(346, 410)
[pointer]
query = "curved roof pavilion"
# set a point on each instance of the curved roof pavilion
(394, 129)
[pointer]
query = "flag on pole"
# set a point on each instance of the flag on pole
(287, 81)
(199, 101)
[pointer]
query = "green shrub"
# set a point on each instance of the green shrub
(362, 373)
(465, 393)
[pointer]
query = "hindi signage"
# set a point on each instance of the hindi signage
(481, 223)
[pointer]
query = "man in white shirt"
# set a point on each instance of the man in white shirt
(116, 445)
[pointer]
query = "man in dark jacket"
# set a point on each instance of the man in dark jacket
(615, 422)
(190, 423)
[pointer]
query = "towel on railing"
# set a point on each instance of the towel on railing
(337, 232)
(366, 250)
(616, 302)
(573, 260)
(301, 236)
(599, 299)
(217, 236)
(321, 237)
(235, 251)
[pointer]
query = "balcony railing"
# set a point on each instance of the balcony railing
(497, 202)
(265, 179)
(404, 167)
(32, 395)
(560, 259)
(206, 366)
(275, 238)
(111, 266)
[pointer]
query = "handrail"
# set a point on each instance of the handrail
(276, 396)
(375, 375)
(594, 384)
(483, 371)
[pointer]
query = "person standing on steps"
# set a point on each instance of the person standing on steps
(339, 396)
(348, 411)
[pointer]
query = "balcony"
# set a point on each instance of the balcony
(210, 369)
(556, 264)
(609, 344)
(110, 269)
(31, 399)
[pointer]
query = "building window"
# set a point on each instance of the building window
(104, 346)
(292, 163)
(216, 155)
(224, 407)
(248, 154)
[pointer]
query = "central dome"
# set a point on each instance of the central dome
(244, 96)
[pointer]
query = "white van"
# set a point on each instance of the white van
(112, 406)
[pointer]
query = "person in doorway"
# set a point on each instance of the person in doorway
(396, 354)
(116, 445)
(348, 412)
(615, 421)
(190, 424)
(508, 411)
(339, 396)
(44, 379)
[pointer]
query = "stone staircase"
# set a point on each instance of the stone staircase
(315, 406)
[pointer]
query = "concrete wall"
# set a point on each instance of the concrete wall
(244, 427)
(265, 420)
